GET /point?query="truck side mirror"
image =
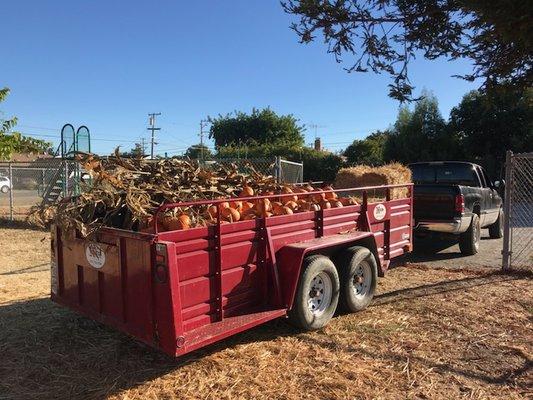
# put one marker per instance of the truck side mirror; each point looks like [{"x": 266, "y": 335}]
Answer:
[{"x": 499, "y": 184}]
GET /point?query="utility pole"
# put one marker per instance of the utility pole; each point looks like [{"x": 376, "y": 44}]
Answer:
[
  {"x": 143, "y": 147},
  {"x": 151, "y": 121},
  {"x": 203, "y": 123}
]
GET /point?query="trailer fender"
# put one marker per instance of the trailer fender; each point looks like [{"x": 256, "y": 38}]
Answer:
[{"x": 291, "y": 257}]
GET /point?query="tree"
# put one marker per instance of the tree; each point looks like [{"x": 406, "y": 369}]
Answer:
[
  {"x": 15, "y": 142},
  {"x": 368, "y": 150},
  {"x": 385, "y": 35},
  {"x": 493, "y": 122},
  {"x": 259, "y": 127},
  {"x": 421, "y": 135},
  {"x": 136, "y": 152},
  {"x": 198, "y": 151}
]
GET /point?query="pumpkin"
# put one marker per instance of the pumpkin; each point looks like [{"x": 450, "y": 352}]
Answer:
[
  {"x": 324, "y": 204},
  {"x": 247, "y": 191},
  {"x": 230, "y": 214},
  {"x": 292, "y": 205}
]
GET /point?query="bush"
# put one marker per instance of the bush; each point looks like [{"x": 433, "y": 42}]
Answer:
[{"x": 318, "y": 165}]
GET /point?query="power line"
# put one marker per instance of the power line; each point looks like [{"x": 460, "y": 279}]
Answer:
[{"x": 153, "y": 129}]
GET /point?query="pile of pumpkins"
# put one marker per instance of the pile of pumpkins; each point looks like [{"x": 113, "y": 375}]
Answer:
[{"x": 296, "y": 199}]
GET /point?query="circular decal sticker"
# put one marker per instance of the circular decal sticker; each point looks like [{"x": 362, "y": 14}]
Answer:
[
  {"x": 380, "y": 211},
  {"x": 95, "y": 255}
]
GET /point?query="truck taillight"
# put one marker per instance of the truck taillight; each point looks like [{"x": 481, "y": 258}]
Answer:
[{"x": 460, "y": 203}]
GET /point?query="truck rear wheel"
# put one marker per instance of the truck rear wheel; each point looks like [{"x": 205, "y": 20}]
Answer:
[
  {"x": 359, "y": 272},
  {"x": 317, "y": 295},
  {"x": 469, "y": 240},
  {"x": 496, "y": 229}
]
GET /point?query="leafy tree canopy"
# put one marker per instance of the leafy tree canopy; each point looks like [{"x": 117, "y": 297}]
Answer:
[
  {"x": 136, "y": 152},
  {"x": 199, "y": 151},
  {"x": 259, "y": 127},
  {"x": 493, "y": 122},
  {"x": 385, "y": 35},
  {"x": 15, "y": 142},
  {"x": 368, "y": 150}
]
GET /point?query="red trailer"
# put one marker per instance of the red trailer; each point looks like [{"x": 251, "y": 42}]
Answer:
[{"x": 181, "y": 290}]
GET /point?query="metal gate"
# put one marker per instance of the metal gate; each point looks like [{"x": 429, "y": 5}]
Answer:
[
  {"x": 518, "y": 218},
  {"x": 289, "y": 171}
]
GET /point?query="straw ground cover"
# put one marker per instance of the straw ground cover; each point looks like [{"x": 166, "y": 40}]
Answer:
[{"x": 431, "y": 333}]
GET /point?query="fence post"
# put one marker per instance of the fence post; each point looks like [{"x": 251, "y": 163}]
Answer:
[
  {"x": 11, "y": 192},
  {"x": 506, "y": 253},
  {"x": 278, "y": 169}
]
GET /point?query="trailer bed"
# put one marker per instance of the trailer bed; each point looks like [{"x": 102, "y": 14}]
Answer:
[{"x": 181, "y": 290}]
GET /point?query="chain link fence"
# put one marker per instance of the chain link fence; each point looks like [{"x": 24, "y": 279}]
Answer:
[
  {"x": 27, "y": 184},
  {"x": 518, "y": 223}
]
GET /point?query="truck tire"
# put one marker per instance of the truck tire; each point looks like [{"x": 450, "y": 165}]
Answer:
[
  {"x": 359, "y": 272},
  {"x": 469, "y": 240},
  {"x": 5, "y": 189},
  {"x": 317, "y": 295},
  {"x": 496, "y": 229}
]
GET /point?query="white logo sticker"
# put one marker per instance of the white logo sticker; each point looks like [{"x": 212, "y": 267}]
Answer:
[
  {"x": 380, "y": 211},
  {"x": 95, "y": 255}
]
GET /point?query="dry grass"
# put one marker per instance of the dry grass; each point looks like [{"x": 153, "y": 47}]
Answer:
[{"x": 430, "y": 334}]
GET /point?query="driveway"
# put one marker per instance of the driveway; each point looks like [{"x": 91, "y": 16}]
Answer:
[{"x": 440, "y": 253}]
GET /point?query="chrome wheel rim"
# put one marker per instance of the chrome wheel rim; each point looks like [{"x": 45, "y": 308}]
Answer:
[
  {"x": 320, "y": 293},
  {"x": 362, "y": 280}
]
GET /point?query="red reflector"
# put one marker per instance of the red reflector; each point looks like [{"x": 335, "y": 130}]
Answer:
[{"x": 460, "y": 203}]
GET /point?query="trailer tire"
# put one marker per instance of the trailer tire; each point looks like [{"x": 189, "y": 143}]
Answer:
[
  {"x": 496, "y": 229},
  {"x": 469, "y": 240},
  {"x": 317, "y": 296},
  {"x": 357, "y": 263}
]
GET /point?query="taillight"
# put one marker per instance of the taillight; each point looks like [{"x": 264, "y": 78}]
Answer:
[{"x": 460, "y": 203}]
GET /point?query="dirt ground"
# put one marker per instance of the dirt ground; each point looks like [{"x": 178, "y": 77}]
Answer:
[{"x": 446, "y": 327}]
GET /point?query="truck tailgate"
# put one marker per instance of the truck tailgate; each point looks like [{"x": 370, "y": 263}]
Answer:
[{"x": 434, "y": 202}]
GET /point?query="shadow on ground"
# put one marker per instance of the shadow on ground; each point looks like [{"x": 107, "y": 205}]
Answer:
[{"x": 49, "y": 352}]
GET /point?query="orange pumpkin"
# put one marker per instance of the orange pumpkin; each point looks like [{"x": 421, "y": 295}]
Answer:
[
  {"x": 213, "y": 211},
  {"x": 236, "y": 205},
  {"x": 292, "y": 205},
  {"x": 178, "y": 223},
  {"x": 314, "y": 207},
  {"x": 287, "y": 211},
  {"x": 247, "y": 191},
  {"x": 318, "y": 197},
  {"x": 288, "y": 190},
  {"x": 246, "y": 205},
  {"x": 277, "y": 207},
  {"x": 324, "y": 204},
  {"x": 230, "y": 214},
  {"x": 330, "y": 194},
  {"x": 336, "y": 204},
  {"x": 263, "y": 206}
]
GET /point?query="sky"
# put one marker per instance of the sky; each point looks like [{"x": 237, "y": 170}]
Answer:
[{"x": 107, "y": 64}]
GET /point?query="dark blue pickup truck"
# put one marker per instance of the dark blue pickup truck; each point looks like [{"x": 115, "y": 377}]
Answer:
[{"x": 456, "y": 198}]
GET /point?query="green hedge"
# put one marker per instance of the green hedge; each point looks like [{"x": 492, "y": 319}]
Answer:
[{"x": 318, "y": 165}]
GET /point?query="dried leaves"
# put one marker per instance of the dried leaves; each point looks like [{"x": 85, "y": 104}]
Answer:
[{"x": 125, "y": 192}]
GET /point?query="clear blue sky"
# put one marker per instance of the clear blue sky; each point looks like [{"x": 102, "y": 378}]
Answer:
[{"x": 107, "y": 64}]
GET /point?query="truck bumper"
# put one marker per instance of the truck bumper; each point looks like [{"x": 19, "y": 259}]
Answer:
[{"x": 457, "y": 225}]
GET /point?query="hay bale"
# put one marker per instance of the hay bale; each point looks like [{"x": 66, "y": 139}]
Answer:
[{"x": 364, "y": 175}]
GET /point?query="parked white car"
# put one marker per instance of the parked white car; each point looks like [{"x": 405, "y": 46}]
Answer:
[{"x": 5, "y": 184}]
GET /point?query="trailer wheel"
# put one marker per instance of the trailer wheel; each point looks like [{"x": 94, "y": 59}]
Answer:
[
  {"x": 317, "y": 295},
  {"x": 359, "y": 272},
  {"x": 469, "y": 240}
]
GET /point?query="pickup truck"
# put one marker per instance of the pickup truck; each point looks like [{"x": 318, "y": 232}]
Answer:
[{"x": 458, "y": 199}]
